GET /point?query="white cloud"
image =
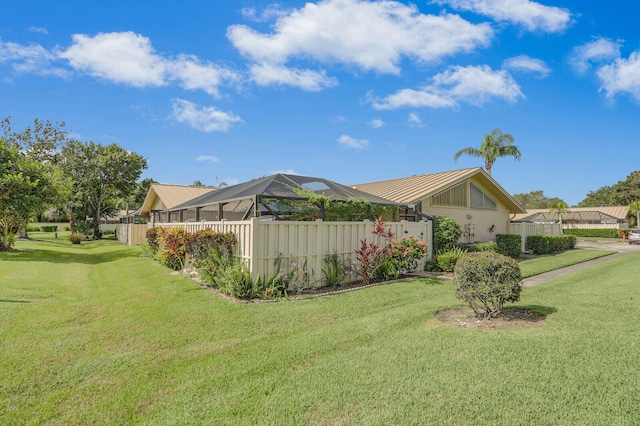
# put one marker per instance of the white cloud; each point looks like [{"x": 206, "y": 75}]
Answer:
[
  {"x": 377, "y": 123},
  {"x": 129, "y": 58},
  {"x": 414, "y": 120},
  {"x": 119, "y": 57},
  {"x": 271, "y": 12},
  {"x": 473, "y": 85},
  {"x": 597, "y": 51},
  {"x": 207, "y": 159},
  {"x": 206, "y": 119},
  {"x": 622, "y": 76},
  {"x": 32, "y": 58},
  {"x": 373, "y": 36},
  {"x": 524, "y": 63},
  {"x": 39, "y": 30},
  {"x": 532, "y": 15},
  {"x": 413, "y": 98},
  {"x": 350, "y": 142},
  {"x": 267, "y": 74}
]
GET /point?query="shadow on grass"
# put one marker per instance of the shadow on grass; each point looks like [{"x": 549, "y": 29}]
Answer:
[
  {"x": 14, "y": 301},
  {"x": 539, "y": 309},
  {"x": 67, "y": 254}
]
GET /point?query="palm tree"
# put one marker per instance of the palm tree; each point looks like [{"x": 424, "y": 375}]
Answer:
[
  {"x": 635, "y": 209},
  {"x": 495, "y": 145},
  {"x": 561, "y": 208}
]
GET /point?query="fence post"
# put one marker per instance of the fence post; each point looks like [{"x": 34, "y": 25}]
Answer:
[
  {"x": 320, "y": 243},
  {"x": 253, "y": 246}
]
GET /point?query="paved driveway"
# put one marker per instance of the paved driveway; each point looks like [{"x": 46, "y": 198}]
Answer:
[{"x": 606, "y": 245}]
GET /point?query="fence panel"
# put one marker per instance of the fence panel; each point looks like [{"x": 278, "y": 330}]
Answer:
[
  {"x": 261, "y": 243},
  {"x": 526, "y": 229}
]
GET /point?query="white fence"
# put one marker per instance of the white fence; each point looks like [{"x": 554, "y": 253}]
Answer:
[
  {"x": 526, "y": 229},
  {"x": 260, "y": 242}
]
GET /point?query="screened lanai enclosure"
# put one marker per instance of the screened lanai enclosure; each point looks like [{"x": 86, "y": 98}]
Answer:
[{"x": 282, "y": 197}]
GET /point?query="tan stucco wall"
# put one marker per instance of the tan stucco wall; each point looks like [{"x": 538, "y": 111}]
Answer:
[{"x": 481, "y": 219}]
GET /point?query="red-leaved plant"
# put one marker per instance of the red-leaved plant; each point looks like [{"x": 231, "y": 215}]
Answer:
[{"x": 371, "y": 253}]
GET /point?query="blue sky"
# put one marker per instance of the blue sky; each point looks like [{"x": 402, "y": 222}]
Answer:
[{"x": 350, "y": 90}]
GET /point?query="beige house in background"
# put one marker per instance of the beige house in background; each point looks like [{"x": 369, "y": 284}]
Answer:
[
  {"x": 580, "y": 217},
  {"x": 161, "y": 198},
  {"x": 471, "y": 197}
]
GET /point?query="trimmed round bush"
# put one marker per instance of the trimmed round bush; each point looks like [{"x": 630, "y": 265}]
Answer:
[{"x": 486, "y": 281}]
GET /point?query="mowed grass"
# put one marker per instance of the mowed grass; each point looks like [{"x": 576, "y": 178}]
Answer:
[
  {"x": 94, "y": 334},
  {"x": 553, "y": 261}
]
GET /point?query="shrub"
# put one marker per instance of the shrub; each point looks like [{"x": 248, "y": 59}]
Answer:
[
  {"x": 539, "y": 244},
  {"x": 199, "y": 244},
  {"x": 33, "y": 228},
  {"x": 297, "y": 276},
  {"x": 171, "y": 250},
  {"x": 77, "y": 237},
  {"x": 509, "y": 245},
  {"x": 447, "y": 259},
  {"x": 49, "y": 228},
  {"x": 371, "y": 253},
  {"x": 67, "y": 228},
  {"x": 543, "y": 244},
  {"x": 405, "y": 253},
  {"x": 592, "y": 233},
  {"x": 484, "y": 246},
  {"x": 446, "y": 233},
  {"x": 152, "y": 238},
  {"x": 486, "y": 281},
  {"x": 431, "y": 266},
  {"x": 337, "y": 270},
  {"x": 230, "y": 275}
]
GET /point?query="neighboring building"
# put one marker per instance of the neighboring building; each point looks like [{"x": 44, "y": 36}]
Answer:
[
  {"x": 162, "y": 197},
  {"x": 259, "y": 198},
  {"x": 582, "y": 217},
  {"x": 471, "y": 197}
]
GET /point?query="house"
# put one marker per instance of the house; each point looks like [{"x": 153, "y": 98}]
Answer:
[
  {"x": 162, "y": 197},
  {"x": 471, "y": 197},
  {"x": 580, "y": 217}
]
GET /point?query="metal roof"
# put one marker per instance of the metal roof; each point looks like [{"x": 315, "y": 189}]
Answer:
[
  {"x": 171, "y": 195},
  {"x": 280, "y": 186},
  {"x": 415, "y": 188},
  {"x": 575, "y": 214}
]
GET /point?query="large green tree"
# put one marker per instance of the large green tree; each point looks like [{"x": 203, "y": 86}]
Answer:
[
  {"x": 26, "y": 187},
  {"x": 622, "y": 193},
  {"x": 536, "y": 200},
  {"x": 99, "y": 173},
  {"x": 40, "y": 142},
  {"x": 494, "y": 145}
]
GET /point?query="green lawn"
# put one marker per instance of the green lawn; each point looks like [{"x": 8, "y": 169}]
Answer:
[
  {"x": 551, "y": 262},
  {"x": 94, "y": 334}
]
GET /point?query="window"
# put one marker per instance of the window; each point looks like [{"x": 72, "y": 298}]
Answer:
[
  {"x": 479, "y": 200},
  {"x": 452, "y": 197}
]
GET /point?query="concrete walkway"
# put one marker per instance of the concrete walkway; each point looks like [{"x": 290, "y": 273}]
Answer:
[{"x": 619, "y": 248}]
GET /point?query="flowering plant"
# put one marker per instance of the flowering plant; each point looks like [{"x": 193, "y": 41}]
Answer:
[{"x": 406, "y": 252}]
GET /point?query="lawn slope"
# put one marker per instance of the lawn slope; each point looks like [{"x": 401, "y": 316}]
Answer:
[{"x": 96, "y": 334}]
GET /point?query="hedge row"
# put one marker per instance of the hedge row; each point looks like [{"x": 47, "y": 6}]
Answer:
[
  {"x": 509, "y": 245},
  {"x": 543, "y": 244},
  {"x": 596, "y": 233}
]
